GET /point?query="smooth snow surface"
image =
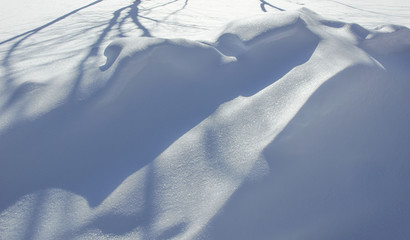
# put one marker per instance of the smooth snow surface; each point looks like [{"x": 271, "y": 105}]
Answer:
[{"x": 282, "y": 125}]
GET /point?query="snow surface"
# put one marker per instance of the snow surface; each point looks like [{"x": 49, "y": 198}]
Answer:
[{"x": 167, "y": 120}]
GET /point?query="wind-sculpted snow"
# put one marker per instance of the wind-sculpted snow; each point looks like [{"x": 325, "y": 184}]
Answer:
[{"x": 285, "y": 126}]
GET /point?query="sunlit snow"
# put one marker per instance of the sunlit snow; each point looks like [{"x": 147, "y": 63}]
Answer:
[{"x": 182, "y": 119}]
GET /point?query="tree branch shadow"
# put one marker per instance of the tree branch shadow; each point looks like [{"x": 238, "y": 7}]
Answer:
[
  {"x": 264, "y": 4},
  {"x": 133, "y": 12},
  {"x": 45, "y": 125},
  {"x": 35, "y": 30}
]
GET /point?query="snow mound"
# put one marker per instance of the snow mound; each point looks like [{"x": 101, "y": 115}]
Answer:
[{"x": 285, "y": 126}]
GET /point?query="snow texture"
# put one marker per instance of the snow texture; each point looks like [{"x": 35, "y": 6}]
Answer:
[{"x": 284, "y": 125}]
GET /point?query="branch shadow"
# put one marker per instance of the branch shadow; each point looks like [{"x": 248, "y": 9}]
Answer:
[
  {"x": 265, "y": 3},
  {"x": 50, "y": 124},
  {"x": 119, "y": 17},
  {"x": 359, "y": 9},
  {"x": 27, "y": 34}
]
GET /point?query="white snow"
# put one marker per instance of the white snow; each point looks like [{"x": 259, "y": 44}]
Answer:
[{"x": 178, "y": 119}]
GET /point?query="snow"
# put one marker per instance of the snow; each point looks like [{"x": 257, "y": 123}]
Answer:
[{"x": 205, "y": 120}]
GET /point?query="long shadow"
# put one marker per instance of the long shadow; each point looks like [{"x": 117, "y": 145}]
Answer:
[
  {"x": 89, "y": 148},
  {"x": 176, "y": 11},
  {"x": 35, "y": 30},
  {"x": 360, "y": 9},
  {"x": 26, "y": 35},
  {"x": 94, "y": 50},
  {"x": 329, "y": 161},
  {"x": 15, "y": 158},
  {"x": 119, "y": 17},
  {"x": 134, "y": 13},
  {"x": 264, "y": 4}
]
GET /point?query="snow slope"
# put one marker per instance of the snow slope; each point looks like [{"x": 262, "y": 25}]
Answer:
[{"x": 283, "y": 125}]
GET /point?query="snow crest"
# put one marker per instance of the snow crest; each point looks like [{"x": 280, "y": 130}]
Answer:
[{"x": 285, "y": 126}]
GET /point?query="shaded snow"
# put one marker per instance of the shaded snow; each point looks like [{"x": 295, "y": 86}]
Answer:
[{"x": 281, "y": 126}]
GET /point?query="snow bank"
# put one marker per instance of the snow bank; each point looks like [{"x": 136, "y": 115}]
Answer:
[{"x": 285, "y": 126}]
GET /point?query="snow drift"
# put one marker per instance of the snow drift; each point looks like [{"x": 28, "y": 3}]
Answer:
[{"x": 285, "y": 126}]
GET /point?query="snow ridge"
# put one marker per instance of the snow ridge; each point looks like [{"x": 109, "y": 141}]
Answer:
[{"x": 286, "y": 125}]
